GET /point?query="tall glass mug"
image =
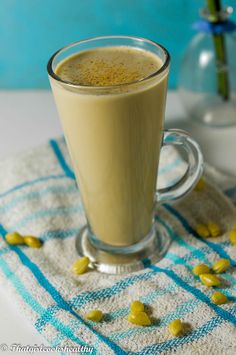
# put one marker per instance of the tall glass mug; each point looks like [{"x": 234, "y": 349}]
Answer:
[{"x": 114, "y": 136}]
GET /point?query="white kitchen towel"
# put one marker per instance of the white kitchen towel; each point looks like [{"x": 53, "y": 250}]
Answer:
[{"x": 38, "y": 196}]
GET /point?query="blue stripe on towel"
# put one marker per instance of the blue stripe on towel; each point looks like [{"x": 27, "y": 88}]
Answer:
[
  {"x": 190, "y": 289},
  {"x": 195, "y": 252},
  {"x": 59, "y": 234},
  {"x": 36, "y": 194},
  {"x": 196, "y": 334},
  {"x": 65, "y": 167},
  {"x": 181, "y": 261},
  {"x": 146, "y": 299},
  {"x": 172, "y": 165},
  {"x": 180, "y": 311},
  {"x": 51, "y": 212},
  {"x": 181, "y": 241},
  {"x": 31, "y": 182},
  {"x": 201, "y": 254},
  {"x": 66, "y": 234},
  {"x": 215, "y": 247},
  {"x": 56, "y": 296},
  {"x": 88, "y": 296},
  {"x": 33, "y": 303}
]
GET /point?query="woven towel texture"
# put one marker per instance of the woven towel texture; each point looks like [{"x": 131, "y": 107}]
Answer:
[{"x": 38, "y": 196}]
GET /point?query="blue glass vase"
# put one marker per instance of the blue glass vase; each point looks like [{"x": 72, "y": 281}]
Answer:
[{"x": 201, "y": 73}]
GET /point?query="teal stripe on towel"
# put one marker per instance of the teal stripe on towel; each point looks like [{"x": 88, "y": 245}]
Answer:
[
  {"x": 33, "y": 303},
  {"x": 174, "y": 343},
  {"x": 190, "y": 289},
  {"x": 56, "y": 296},
  {"x": 65, "y": 167},
  {"x": 196, "y": 253},
  {"x": 214, "y": 246},
  {"x": 36, "y": 195},
  {"x": 181, "y": 241},
  {"x": 101, "y": 294},
  {"x": 172, "y": 165},
  {"x": 180, "y": 311},
  {"x": 51, "y": 212},
  {"x": 30, "y": 183}
]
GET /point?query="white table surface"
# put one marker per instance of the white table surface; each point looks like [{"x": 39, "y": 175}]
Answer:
[{"x": 29, "y": 118}]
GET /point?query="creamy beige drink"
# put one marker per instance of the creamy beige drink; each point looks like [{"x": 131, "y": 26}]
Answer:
[{"x": 114, "y": 134}]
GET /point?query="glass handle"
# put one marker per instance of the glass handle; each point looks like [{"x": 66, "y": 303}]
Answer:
[{"x": 181, "y": 139}]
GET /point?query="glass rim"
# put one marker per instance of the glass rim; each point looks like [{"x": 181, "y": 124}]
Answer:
[{"x": 164, "y": 66}]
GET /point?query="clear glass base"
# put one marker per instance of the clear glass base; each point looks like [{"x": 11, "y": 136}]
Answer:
[{"x": 121, "y": 260}]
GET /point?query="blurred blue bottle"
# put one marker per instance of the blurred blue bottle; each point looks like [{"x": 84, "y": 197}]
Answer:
[{"x": 201, "y": 73}]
